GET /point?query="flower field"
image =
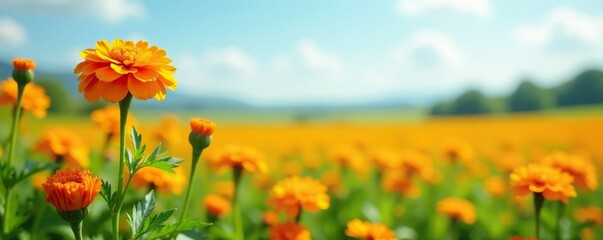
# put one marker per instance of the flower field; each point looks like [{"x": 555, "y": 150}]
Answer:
[{"x": 116, "y": 174}]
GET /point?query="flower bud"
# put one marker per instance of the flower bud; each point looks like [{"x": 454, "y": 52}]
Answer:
[
  {"x": 23, "y": 70},
  {"x": 201, "y": 130}
]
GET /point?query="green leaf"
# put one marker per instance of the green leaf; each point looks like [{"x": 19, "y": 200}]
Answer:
[
  {"x": 186, "y": 225},
  {"x": 136, "y": 138},
  {"x": 156, "y": 221},
  {"x": 109, "y": 196},
  {"x": 132, "y": 163},
  {"x": 11, "y": 177},
  {"x": 166, "y": 164},
  {"x": 141, "y": 211}
]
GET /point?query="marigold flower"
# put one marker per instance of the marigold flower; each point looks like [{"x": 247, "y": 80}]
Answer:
[
  {"x": 369, "y": 231},
  {"x": 289, "y": 231},
  {"x": 551, "y": 182},
  {"x": 107, "y": 119},
  {"x": 38, "y": 180},
  {"x": 583, "y": 170},
  {"x": 592, "y": 214},
  {"x": 201, "y": 131},
  {"x": 458, "y": 150},
  {"x": 72, "y": 189},
  {"x": 457, "y": 208},
  {"x": 295, "y": 193},
  {"x": 348, "y": 156},
  {"x": 111, "y": 71},
  {"x": 234, "y": 156},
  {"x": 169, "y": 131},
  {"x": 385, "y": 159},
  {"x": 34, "y": 98},
  {"x": 399, "y": 181},
  {"x": 416, "y": 162},
  {"x": 23, "y": 70},
  {"x": 216, "y": 205},
  {"x": 269, "y": 218},
  {"x": 495, "y": 186},
  {"x": 224, "y": 188},
  {"x": 64, "y": 145},
  {"x": 162, "y": 180}
]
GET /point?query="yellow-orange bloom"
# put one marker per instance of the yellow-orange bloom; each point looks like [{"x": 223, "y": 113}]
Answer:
[
  {"x": 551, "y": 182},
  {"x": 417, "y": 162},
  {"x": 495, "y": 186},
  {"x": 269, "y": 218},
  {"x": 202, "y": 126},
  {"x": 71, "y": 189},
  {"x": 169, "y": 131},
  {"x": 458, "y": 150},
  {"x": 65, "y": 145},
  {"x": 162, "y": 180},
  {"x": 592, "y": 214},
  {"x": 233, "y": 156},
  {"x": 111, "y": 71},
  {"x": 457, "y": 208},
  {"x": 583, "y": 170},
  {"x": 216, "y": 205},
  {"x": 295, "y": 193},
  {"x": 369, "y": 231},
  {"x": 107, "y": 119},
  {"x": 385, "y": 159},
  {"x": 38, "y": 180},
  {"x": 224, "y": 188},
  {"x": 399, "y": 181},
  {"x": 289, "y": 231},
  {"x": 24, "y": 64},
  {"x": 34, "y": 98}
]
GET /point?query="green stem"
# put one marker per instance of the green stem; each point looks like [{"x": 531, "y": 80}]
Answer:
[
  {"x": 238, "y": 221},
  {"x": 538, "y": 203},
  {"x": 124, "y": 105},
  {"x": 76, "y": 227},
  {"x": 11, "y": 156},
  {"x": 560, "y": 211},
  {"x": 187, "y": 198}
]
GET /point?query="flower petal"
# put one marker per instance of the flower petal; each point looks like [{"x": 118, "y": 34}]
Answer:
[
  {"x": 113, "y": 91},
  {"x": 142, "y": 90},
  {"x": 145, "y": 74},
  {"x": 107, "y": 74}
]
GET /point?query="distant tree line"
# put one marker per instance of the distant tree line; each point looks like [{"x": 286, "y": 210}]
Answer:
[{"x": 586, "y": 88}]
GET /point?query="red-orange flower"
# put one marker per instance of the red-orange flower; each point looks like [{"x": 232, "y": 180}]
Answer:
[
  {"x": 295, "y": 193},
  {"x": 592, "y": 214},
  {"x": 457, "y": 208},
  {"x": 34, "y": 98},
  {"x": 369, "y": 231},
  {"x": 24, "y": 64},
  {"x": 289, "y": 231},
  {"x": 160, "y": 179},
  {"x": 202, "y": 126},
  {"x": 65, "y": 145},
  {"x": 399, "y": 181},
  {"x": 233, "y": 156},
  {"x": 583, "y": 170},
  {"x": 111, "y": 71},
  {"x": 216, "y": 205},
  {"x": 551, "y": 182},
  {"x": 71, "y": 189}
]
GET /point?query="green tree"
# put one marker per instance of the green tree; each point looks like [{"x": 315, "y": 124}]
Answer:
[
  {"x": 471, "y": 102},
  {"x": 59, "y": 97},
  {"x": 528, "y": 97},
  {"x": 586, "y": 88}
]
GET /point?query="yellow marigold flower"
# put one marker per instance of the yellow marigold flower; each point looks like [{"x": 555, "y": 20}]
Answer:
[
  {"x": 509, "y": 161},
  {"x": 224, "y": 189},
  {"x": 111, "y": 71},
  {"x": 38, "y": 180},
  {"x": 587, "y": 233},
  {"x": 591, "y": 214},
  {"x": 216, "y": 205},
  {"x": 369, "y": 231},
  {"x": 348, "y": 156},
  {"x": 71, "y": 189},
  {"x": 551, "y": 182},
  {"x": 399, "y": 181},
  {"x": 24, "y": 64},
  {"x": 417, "y": 163},
  {"x": 289, "y": 231},
  {"x": 385, "y": 159},
  {"x": 331, "y": 179},
  {"x": 295, "y": 193},
  {"x": 458, "y": 150},
  {"x": 583, "y": 170},
  {"x": 107, "y": 119},
  {"x": 64, "y": 145},
  {"x": 34, "y": 99},
  {"x": 162, "y": 180},
  {"x": 234, "y": 156},
  {"x": 495, "y": 186},
  {"x": 457, "y": 208}
]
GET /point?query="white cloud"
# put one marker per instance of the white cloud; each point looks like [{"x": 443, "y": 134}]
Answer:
[
  {"x": 316, "y": 59},
  {"x": 563, "y": 25},
  {"x": 230, "y": 59},
  {"x": 428, "y": 48},
  {"x": 480, "y": 8},
  {"x": 11, "y": 32},
  {"x": 110, "y": 11}
]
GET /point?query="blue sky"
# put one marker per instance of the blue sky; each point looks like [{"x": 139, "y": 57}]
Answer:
[{"x": 297, "y": 52}]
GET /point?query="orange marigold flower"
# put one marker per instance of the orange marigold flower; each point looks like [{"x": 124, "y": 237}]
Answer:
[
  {"x": 107, "y": 119},
  {"x": 38, "y": 180},
  {"x": 551, "y": 182},
  {"x": 295, "y": 193},
  {"x": 202, "y": 126},
  {"x": 24, "y": 64},
  {"x": 64, "y": 145},
  {"x": 368, "y": 231},
  {"x": 162, "y": 180},
  {"x": 216, "y": 205},
  {"x": 270, "y": 218},
  {"x": 417, "y": 162},
  {"x": 224, "y": 189},
  {"x": 111, "y": 71},
  {"x": 495, "y": 186},
  {"x": 591, "y": 214},
  {"x": 234, "y": 156},
  {"x": 457, "y": 208},
  {"x": 71, "y": 189},
  {"x": 169, "y": 131},
  {"x": 583, "y": 170},
  {"x": 458, "y": 150},
  {"x": 34, "y": 98},
  {"x": 289, "y": 231},
  {"x": 385, "y": 159},
  {"x": 399, "y": 181},
  {"x": 349, "y": 157}
]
